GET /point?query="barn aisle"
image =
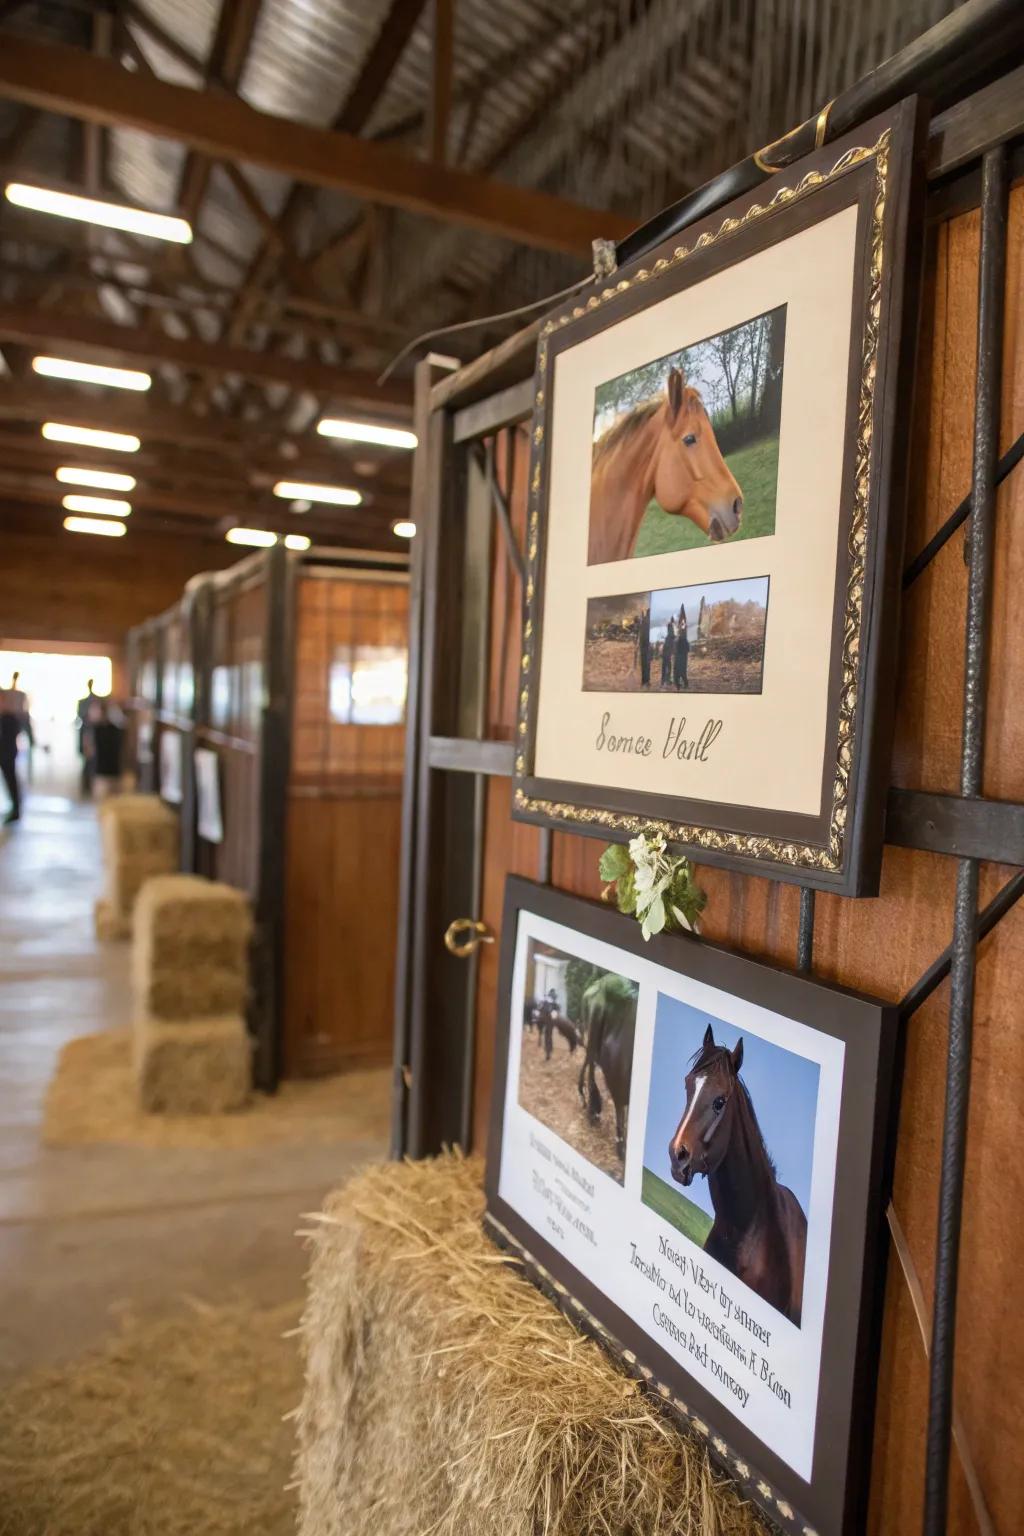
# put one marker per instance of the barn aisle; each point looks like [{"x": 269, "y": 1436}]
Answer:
[{"x": 89, "y": 1231}]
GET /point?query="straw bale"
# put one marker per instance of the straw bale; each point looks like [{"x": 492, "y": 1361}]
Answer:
[
  {"x": 140, "y": 836},
  {"x": 108, "y": 923},
  {"x": 198, "y": 1068},
  {"x": 92, "y": 1100},
  {"x": 191, "y": 949},
  {"x": 445, "y": 1395},
  {"x": 176, "y": 1426}
]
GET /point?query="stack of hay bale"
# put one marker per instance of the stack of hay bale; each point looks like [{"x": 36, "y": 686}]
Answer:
[
  {"x": 139, "y": 836},
  {"x": 190, "y": 976}
]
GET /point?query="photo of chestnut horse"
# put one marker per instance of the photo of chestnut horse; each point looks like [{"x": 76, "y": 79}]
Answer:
[
  {"x": 685, "y": 447},
  {"x": 665, "y": 450},
  {"x": 759, "y": 1231}
]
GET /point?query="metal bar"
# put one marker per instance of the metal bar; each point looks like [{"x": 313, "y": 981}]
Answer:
[
  {"x": 1009, "y": 461},
  {"x": 504, "y": 516},
  {"x": 963, "y": 952},
  {"x": 968, "y": 829},
  {"x": 1002, "y": 902},
  {"x": 544, "y": 856},
  {"x": 805, "y": 930}
]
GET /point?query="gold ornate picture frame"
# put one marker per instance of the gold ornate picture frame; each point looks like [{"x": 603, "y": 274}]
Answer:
[{"x": 725, "y": 419}]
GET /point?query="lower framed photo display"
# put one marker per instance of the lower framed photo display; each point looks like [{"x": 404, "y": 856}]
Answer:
[{"x": 690, "y": 1153}]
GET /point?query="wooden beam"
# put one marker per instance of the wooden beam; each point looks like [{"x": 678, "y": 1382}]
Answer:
[
  {"x": 236, "y": 23},
  {"x": 442, "y": 49},
  {"x": 66, "y": 81},
  {"x": 106, "y": 342},
  {"x": 396, "y": 30}
]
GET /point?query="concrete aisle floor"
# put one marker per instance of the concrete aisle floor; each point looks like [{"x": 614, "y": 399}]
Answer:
[{"x": 83, "y": 1231}]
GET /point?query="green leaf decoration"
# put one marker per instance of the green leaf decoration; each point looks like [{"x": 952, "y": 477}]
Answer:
[
  {"x": 652, "y": 885},
  {"x": 614, "y": 863}
]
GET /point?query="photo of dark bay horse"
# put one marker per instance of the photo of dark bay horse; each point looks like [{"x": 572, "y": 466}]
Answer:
[
  {"x": 704, "y": 1137},
  {"x": 576, "y": 1057},
  {"x": 685, "y": 447}
]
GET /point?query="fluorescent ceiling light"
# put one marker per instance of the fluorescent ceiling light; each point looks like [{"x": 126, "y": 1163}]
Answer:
[
  {"x": 258, "y": 536},
  {"x": 367, "y": 432},
  {"x": 101, "y": 525},
  {"x": 108, "y": 505},
  {"x": 91, "y": 373},
  {"x": 404, "y": 529},
  {"x": 296, "y": 541},
  {"x": 99, "y": 479},
  {"x": 137, "y": 221},
  {"x": 336, "y": 495},
  {"x": 90, "y": 437}
]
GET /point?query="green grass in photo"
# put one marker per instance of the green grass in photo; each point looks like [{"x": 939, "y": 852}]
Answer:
[
  {"x": 756, "y": 468},
  {"x": 673, "y": 1206}
]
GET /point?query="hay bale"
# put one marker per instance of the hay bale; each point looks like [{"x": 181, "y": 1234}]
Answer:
[
  {"x": 191, "y": 953},
  {"x": 140, "y": 839},
  {"x": 109, "y": 924},
  {"x": 200, "y": 1068},
  {"x": 177, "y": 1425},
  {"x": 444, "y": 1394}
]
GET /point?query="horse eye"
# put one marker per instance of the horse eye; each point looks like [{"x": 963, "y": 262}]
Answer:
[
  {"x": 719, "y": 1105},
  {"x": 690, "y": 439}
]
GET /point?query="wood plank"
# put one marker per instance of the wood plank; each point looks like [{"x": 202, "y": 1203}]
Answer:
[
  {"x": 461, "y": 755},
  {"x": 66, "y": 81},
  {"x": 979, "y": 122},
  {"x": 503, "y": 409},
  {"x": 106, "y": 342}
]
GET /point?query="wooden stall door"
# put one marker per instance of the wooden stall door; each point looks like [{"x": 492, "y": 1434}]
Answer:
[{"x": 344, "y": 810}]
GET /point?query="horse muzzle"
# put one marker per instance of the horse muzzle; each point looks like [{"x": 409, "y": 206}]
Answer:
[
  {"x": 725, "y": 521},
  {"x": 682, "y": 1169}
]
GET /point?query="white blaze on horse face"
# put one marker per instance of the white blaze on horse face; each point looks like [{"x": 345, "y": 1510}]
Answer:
[{"x": 699, "y": 1085}]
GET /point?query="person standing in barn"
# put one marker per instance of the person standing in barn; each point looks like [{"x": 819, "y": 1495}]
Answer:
[
  {"x": 14, "y": 721},
  {"x": 668, "y": 654}
]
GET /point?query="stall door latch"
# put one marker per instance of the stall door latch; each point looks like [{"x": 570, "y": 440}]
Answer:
[{"x": 462, "y": 936}]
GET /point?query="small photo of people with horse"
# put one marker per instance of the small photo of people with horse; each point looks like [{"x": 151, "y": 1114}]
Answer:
[
  {"x": 576, "y": 1064},
  {"x": 696, "y": 639},
  {"x": 729, "y": 1148},
  {"x": 686, "y": 447}
]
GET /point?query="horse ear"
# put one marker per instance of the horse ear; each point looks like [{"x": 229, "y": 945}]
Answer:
[
  {"x": 675, "y": 388},
  {"x": 709, "y": 1037},
  {"x": 737, "y": 1056}
]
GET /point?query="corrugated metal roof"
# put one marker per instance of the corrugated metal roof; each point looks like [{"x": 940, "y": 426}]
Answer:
[{"x": 622, "y": 104}]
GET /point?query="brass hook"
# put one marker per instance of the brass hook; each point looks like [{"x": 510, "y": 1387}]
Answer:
[{"x": 479, "y": 933}]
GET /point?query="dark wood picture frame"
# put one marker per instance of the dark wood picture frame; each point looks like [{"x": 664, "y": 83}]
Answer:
[
  {"x": 838, "y": 847},
  {"x": 832, "y": 1502}
]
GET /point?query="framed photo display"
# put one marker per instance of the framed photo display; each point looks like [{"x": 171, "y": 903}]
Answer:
[
  {"x": 715, "y": 527},
  {"x": 690, "y": 1152}
]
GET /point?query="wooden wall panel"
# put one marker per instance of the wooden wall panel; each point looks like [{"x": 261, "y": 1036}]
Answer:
[
  {"x": 342, "y": 859},
  {"x": 72, "y": 587},
  {"x": 343, "y": 838},
  {"x": 881, "y": 945}
]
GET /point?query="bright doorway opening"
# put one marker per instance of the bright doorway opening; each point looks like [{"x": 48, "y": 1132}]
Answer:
[{"x": 54, "y": 683}]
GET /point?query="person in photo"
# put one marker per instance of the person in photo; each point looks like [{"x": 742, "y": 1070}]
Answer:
[
  {"x": 681, "y": 651},
  {"x": 668, "y": 654}
]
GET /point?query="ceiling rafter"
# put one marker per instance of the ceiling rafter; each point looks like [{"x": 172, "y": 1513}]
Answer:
[
  {"x": 68, "y": 82},
  {"x": 117, "y": 343}
]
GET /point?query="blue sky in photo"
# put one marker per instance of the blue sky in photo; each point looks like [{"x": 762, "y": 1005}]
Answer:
[
  {"x": 665, "y": 603},
  {"x": 783, "y": 1088}
]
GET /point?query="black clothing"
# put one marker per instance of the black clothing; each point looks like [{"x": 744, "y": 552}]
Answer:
[
  {"x": 107, "y": 743},
  {"x": 9, "y": 772},
  {"x": 668, "y": 651},
  {"x": 682, "y": 657},
  {"x": 645, "y": 650}
]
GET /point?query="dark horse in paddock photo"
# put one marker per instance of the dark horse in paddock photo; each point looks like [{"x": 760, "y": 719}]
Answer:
[
  {"x": 759, "y": 1232},
  {"x": 664, "y": 450},
  {"x": 609, "y": 1020}
]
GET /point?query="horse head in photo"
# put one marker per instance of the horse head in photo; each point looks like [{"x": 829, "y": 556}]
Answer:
[
  {"x": 702, "y": 1135},
  {"x": 760, "y": 1230},
  {"x": 665, "y": 449},
  {"x": 691, "y": 477}
]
